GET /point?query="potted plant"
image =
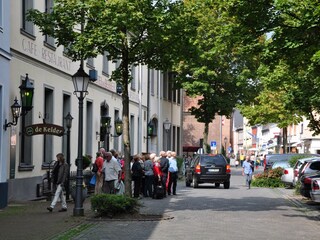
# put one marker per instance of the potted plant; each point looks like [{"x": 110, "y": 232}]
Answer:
[
  {"x": 73, "y": 191},
  {"x": 86, "y": 161}
]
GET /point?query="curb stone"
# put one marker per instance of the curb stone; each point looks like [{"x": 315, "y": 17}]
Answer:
[{"x": 297, "y": 201}]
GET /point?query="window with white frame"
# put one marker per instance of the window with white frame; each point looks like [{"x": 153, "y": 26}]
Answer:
[
  {"x": 90, "y": 62},
  {"x": 105, "y": 64},
  {"x": 48, "y": 39},
  {"x": 133, "y": 77},
  {"x": 151, "y": 79},
  {"x": 165, "y": 85},
  {"x": 1, "y": 15},
  {"x": 27, "y": 26}
]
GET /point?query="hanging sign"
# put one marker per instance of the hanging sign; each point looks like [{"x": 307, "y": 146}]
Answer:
[{"x": 49, "y": 129}]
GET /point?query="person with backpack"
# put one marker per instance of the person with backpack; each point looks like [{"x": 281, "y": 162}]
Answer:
[
  {"x": 149, "y": 175},
  {"x": 97, "y": 169},
  {"x": 247, "y": 170}
]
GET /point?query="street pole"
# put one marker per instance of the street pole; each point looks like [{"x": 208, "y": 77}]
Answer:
[
  {"x": 78, "y": 207},
  {"x": 23, "y": 126},
  {"x": 68, "y": 162}
]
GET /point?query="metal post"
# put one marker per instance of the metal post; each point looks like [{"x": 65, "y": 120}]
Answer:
[
  {"x": 289, "y": 138},
  {"x": 108, "y": 142},
  {"x": 68, "y": 162},
  {"x": 23, "y": 126},
  {"x": 78, "y": 207}
]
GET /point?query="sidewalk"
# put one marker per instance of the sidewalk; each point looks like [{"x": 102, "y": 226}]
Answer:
[{"x": 31, "y": 220}]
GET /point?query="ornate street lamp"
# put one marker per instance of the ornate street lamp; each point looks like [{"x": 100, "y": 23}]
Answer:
[
  {"x": 15, "y": 110},
  {"x": 167, "y": 126},
  {"x": 105, "y": 126},
  {"x": 68, "y": 119},
  {"x": 26, "y": 93},
  {"x": 150, "y": 129},
  {"x": 80, "y": 82},
  {"x": 119, "y": 126}
]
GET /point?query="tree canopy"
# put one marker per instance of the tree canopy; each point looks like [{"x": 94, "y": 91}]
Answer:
[
  {"x": 130, "y": 32},
  {"x": 289, "y": 59}
]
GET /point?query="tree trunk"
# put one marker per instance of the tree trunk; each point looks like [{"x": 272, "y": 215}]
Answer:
[
  {"x": 205, "y": 137},
  {"x": 285, "y": 139},
  {"x": 125, "y": 116}
]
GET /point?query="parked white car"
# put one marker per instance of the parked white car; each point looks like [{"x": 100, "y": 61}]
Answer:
[
  {"x": 288, "y": 176},
  {"x": 315, "y": 191}
]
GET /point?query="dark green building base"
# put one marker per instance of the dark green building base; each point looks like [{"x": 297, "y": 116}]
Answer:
[{"x": 3, "y": 194}]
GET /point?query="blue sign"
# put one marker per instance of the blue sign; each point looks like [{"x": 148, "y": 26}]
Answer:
[
  {"x": 213, "y": 145},
  {"x": 229, "y": 149}
]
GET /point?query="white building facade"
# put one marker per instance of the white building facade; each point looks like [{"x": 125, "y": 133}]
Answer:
[
  {"x": 153, "y": 101},
  {"x": 5, "y": 98},
  {"x": 264, "y": 139}
]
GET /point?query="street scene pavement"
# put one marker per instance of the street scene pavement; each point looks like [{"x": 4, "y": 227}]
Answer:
[{"x": 203, "y": 213}]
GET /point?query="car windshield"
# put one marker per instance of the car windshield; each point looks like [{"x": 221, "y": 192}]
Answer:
[{"x": 218, "y": 159}]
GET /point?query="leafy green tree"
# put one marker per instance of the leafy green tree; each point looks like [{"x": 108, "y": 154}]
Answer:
[
  {"x": 132, "y": 32},
  {"x": 293, "y": 49},
  {"x": 216, "y": 65}
]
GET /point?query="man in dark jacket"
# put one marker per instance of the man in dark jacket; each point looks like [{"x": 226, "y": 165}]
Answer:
[
  {"x": 61, "y": 181},
  {"x": 164, "y": 165}
]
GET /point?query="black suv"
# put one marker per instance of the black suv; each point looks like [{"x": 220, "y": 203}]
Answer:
[{"x": 208, "y": 168}]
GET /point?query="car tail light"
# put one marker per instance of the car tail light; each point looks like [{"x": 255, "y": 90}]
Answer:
[
  {"x": 307, "y": 180},
  {"x": 198, "y": 170},
  {"x": 315, "y": 185},
  {"x": 228, "y": 170},
  {"x": 285, "y": 171}
]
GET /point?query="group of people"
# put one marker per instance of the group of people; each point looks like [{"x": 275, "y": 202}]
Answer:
[
  {"x": 149, "y": 171},
  {"x": 110, "y": 172}
]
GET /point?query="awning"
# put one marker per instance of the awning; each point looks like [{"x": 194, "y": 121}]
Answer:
[{"x": 190, "y": 148}]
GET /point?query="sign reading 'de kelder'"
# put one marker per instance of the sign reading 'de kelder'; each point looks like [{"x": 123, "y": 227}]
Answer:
[{"x": 49, "y": 129}]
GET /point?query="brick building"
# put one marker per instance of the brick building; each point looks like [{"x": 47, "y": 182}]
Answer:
[{"x": 219, "y": 130}]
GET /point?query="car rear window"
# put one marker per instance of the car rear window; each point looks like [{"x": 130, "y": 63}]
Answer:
[
  {"x": 219, "y": 160},
  {"x": 315, "y": 166}
]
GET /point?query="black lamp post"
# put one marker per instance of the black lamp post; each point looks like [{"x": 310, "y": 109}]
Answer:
[
  {"x": 80, "y": 81},
  {"x": 68, "y": 119},
  {"x": 26, "y": 93},
  {"x": 15, "y": 110}
]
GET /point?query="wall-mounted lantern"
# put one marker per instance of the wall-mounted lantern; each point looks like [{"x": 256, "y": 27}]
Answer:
[
  {"x": 150, "y": 129},
  {"x": 26, "y": 93},
  {"x": 167, "y": 125},
  {"x": 119, "y": 126},
  {"x": 15, "y": 110}
]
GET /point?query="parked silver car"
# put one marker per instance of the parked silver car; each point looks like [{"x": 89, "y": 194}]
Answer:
[{"x": 297, "y": 166}]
